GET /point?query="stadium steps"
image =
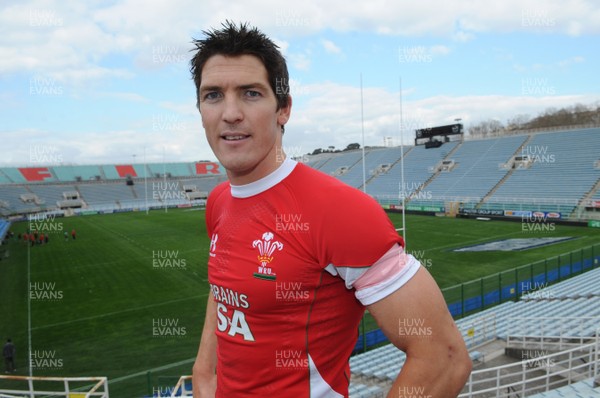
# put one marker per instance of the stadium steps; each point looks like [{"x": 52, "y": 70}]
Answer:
[
  {"x": 359, "y": 390},
  {"x": 507, "y": 175},
  {"x": 493, "y": 190},
  {"x": 5, "y": 178},
  {"x": 589, "y": 195},
  {"x": 437, "y": 173},
  {"x": 406, "y": 152},
  {"x": 582, "y": 389}
]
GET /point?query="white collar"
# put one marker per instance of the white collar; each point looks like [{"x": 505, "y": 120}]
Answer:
[{"x": 269, "y": 181}]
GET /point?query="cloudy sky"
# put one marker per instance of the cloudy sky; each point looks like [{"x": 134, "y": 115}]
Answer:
[{"x": 94, "y": 82}]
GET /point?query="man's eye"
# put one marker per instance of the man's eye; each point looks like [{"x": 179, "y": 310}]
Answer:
[
  {"x": 253, "y": 93},
  {"x": 212, "y": 95}
]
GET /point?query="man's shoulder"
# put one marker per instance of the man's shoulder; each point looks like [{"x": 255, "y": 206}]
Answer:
[
  {"x": 316, "y": 178},
  {"x": 217, "y": 191},
  {"x": 318, "y": 184}
]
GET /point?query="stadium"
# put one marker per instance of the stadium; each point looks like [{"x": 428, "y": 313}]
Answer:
[{"x": 103, "y": 275}]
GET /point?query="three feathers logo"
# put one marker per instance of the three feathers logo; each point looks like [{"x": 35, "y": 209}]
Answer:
[{"x": 266, "y": 247}]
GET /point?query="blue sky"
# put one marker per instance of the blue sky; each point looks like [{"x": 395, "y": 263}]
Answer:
[{"x": 108, "y": 81}]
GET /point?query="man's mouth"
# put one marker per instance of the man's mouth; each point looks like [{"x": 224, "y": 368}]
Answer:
[{"x": 234, "y": 137}]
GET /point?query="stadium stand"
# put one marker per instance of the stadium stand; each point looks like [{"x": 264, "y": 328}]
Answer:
[
  {"x": 483, "y": 173},
  {"x": 561, "y": 168},
  {"x": 377, "y": 162},
  {"x": 418, "y": 168},
  {"x": 101, "y": 188},
  {"x": 550, "y": 172},
  {"x": 12, "y": 196},
  {"x": 174, "y": 169},
  {"x": 339, "y": 163},
  {"x": 77, "y": 173},
  {"x": 476, "y": 169},
  {"x": 569, "y": 308},
  {"x": 582, "y": 389},
  {"x": 51, "y": 193}
]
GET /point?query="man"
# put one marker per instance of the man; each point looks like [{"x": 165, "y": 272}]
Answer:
[
  {"x": 9, "y": 352},
  {"x": 296, "y": 256}
]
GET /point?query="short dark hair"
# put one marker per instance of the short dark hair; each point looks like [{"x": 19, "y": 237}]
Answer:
[{"x": 234, "y": 40}]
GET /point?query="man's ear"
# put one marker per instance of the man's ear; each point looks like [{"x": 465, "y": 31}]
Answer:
[{"x": 285, "y": 112}]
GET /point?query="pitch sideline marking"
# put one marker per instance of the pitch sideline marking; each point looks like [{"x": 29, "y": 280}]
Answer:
[
  {"x": 115, "y": 312},
  {"x": 145, "y": 372}
]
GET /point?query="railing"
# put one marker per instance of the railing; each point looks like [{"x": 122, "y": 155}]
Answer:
[
  {"x": 479, "y": 294},
  {"x": 68, "y": 390},
  {"x": 479, "y": 330},
  {"x": 535, "y": 373},
  {"x": 552, "y": 333},
  {"x": 180, "y": 389}
]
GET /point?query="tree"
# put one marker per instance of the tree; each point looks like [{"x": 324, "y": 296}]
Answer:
[{"x": 352, "y": 146}]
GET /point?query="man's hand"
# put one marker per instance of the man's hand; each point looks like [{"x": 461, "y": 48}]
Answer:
[{"x": 204, "y": 378}]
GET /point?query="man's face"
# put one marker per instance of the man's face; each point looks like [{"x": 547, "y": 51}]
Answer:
[{"x": 238, "y": 109}]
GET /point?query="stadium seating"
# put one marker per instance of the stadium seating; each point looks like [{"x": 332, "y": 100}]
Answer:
[
  {"x": 476, "y": 171},
  {"x": 51, "y": 193},
  {"x": 563, "y": 170},
  {"x": 582, "y": 389},
  {"x": 418, "y": 168},
  {"x": 363, "y": 391},
  {"x": 11, "y": 194},
  {"x": 374, "y": 158},
  {"x": 105, "y": 193},
  {"x": 579, "y": 316},
  {"x": 75, "y": 173},
  {"x": 173, "y": 169},
  {"x": 339, "y": 160}
]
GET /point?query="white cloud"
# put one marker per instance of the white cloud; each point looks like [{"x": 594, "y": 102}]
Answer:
[
  {"x": 48, "y": 36},
  {"x": 300, "y": 61},
  {"x": 439, "y": 50},
  {"x": 330, "y": 47},
  {"x": 570, "y": 61},
  {"x": 332, "y": 115}
]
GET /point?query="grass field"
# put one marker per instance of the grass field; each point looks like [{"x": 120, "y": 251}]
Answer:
[{"x": 126, "y": 298}]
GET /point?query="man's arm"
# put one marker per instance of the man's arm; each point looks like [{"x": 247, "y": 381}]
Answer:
[
  {"x": 415, "y": 319},
  {"x": 204, "y": 378}
]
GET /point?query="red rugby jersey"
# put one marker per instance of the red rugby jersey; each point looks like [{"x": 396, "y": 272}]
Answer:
[{"x": 284, "y": 253}]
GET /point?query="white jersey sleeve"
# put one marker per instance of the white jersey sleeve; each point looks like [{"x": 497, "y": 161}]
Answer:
[{"x": 379, "y": 280}]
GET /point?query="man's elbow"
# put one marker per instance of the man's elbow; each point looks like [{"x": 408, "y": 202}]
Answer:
[{"x": 461, "y": 366}]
